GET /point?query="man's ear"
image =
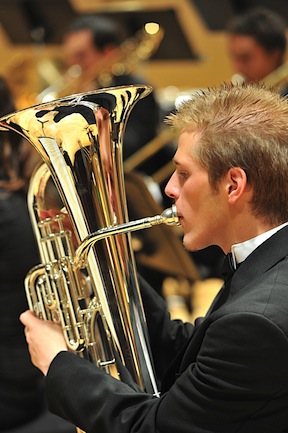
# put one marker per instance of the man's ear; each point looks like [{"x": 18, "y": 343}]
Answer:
[{"x": 236, "y": 184}]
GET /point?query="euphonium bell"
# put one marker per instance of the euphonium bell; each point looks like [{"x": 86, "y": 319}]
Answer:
[{"x": 87, "y": 280}]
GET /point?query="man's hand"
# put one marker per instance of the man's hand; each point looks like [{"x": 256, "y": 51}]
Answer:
[{"x": 45, "y": 340}]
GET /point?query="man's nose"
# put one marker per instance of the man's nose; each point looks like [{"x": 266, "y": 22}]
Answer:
[{"x": 171, "y": 188}]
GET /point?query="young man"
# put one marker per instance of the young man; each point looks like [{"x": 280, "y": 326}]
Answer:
[
  {"x": 257, "y": 43},
  {"x": 229, "y": 371}
]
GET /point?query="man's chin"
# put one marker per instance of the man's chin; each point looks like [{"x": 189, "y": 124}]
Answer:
[
  {"x": 189, "y": 245},
  {"x": 192, "y": 245}
]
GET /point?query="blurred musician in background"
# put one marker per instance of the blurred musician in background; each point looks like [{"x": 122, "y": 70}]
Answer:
[
  {"x": 92, "y": 41},
  {"x": 22, "y": 400},
  {"x": 257, "y": 45}
]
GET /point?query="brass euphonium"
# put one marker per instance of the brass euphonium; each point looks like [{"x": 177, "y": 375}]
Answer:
[{"x": 87, "y": 280}]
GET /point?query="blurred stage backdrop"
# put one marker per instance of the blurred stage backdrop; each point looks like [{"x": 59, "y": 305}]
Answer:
[{"x": 192, "y": 52}]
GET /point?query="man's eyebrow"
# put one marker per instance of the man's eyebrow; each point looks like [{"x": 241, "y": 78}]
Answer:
[{"x": 179, "y": 163}]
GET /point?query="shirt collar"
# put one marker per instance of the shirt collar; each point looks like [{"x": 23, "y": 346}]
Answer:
[{"x": 242, "y": 250}]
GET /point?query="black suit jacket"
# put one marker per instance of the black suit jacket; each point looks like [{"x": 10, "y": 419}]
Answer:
[{"x": 230, "y": 375}]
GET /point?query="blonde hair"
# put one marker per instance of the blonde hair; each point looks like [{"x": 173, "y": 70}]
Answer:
[{"x": 245, "y": 126}]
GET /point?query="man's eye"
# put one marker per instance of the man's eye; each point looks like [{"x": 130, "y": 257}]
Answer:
[{"x": 183, "y": 174}]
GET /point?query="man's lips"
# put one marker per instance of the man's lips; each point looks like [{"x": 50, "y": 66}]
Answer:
[{"x": 180, "y": 217}]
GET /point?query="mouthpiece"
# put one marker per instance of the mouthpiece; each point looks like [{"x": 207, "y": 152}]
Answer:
[{"x": 170, "y": 216}]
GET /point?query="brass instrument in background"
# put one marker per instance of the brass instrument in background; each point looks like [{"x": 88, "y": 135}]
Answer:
[
  {"x": 164, "y": 138},
  {"x": 278, "y": 78},
  {"x": 87, "y": 280},
  {"x": 119, "y": 61}
]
